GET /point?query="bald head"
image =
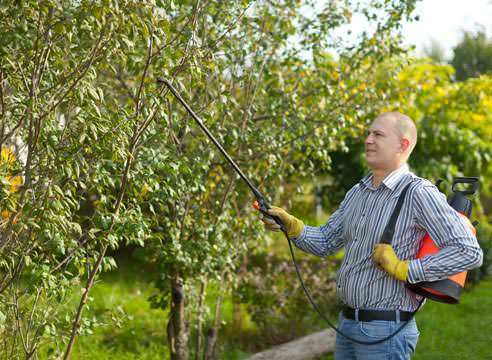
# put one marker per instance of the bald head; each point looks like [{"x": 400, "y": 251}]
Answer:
[{"x": 404, "y": 127}]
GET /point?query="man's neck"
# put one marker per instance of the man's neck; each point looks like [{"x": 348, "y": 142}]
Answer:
[{"x": 378, "y": 175}]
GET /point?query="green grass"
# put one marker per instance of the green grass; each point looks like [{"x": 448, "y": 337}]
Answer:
[
  {"x": 456, "y": 332},
  {"x": 451, "y": 332},
  {"x": 141, "y": 331},
  {"x": 141, "y": 334}
]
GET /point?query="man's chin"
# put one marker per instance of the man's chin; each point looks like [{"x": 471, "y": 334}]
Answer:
[{"x": 371, "y": 163}]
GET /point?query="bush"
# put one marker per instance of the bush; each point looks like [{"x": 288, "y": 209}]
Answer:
[
  {"x": 484, "y": 235},
  {"x": 273, "y": 295}
]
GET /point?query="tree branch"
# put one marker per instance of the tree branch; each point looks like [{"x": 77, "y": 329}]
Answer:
[{"x": 137, "y": 133}]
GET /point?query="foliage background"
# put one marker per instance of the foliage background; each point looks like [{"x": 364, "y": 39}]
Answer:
[{"x": 98, "y": 160}]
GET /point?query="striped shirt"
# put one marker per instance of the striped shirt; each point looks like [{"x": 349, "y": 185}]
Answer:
[{"x": 358, "y": 224}]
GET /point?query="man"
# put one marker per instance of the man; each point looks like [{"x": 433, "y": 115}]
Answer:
[{"x": 371, "y": 279}]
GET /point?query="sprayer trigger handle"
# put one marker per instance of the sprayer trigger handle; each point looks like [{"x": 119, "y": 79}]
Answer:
[{"x": 263, "y": 208}]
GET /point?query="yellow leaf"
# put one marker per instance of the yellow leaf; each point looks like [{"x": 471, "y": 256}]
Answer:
[
  {"x": 478, "y": 118},
  {"x": 8, "y": 156},
  {"x": 487, "y": 103},
  {"x": 15, "y": 183},
  {"x": 145, "y": 189}
]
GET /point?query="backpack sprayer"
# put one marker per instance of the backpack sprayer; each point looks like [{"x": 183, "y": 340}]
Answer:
[{"x": 447, "y": 290}]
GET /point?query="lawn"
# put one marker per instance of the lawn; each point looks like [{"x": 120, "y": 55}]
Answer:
[
  {"x": 141, "y": 333},
  {"x": 456, "y": 332},
  {"x": 451, "y": 332}
]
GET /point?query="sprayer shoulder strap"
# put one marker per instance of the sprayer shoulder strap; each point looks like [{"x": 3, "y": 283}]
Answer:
[{"x": 389, "y": 230}]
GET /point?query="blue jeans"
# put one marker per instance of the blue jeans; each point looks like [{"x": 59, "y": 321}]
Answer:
[{"x": 399, "y": 347}]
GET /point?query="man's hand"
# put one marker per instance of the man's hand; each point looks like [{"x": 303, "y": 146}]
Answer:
[
  {"x": 293, "y": 226},
  {"x": 384, "y": 256}
]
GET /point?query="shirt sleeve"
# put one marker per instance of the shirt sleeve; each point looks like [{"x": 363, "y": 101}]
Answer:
[
  {"x": 328, "y": 238},
  {"x": 459, "y": 247}
]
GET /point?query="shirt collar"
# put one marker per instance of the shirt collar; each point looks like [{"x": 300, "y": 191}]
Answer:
[{"x": 390, "y": 181}]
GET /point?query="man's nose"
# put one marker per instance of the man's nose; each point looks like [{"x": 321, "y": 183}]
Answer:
[{"x": 369, "y": 139}]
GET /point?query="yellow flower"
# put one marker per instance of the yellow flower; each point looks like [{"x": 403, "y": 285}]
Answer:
[
  {"x": 478, "y": 118},
  {"x": 15, "y": 183},
  {"x": 8, "y": 156},
  {"x": 145, "y": 189},
  {"x": 426, "y": 86},
  {"x": 487, "y": 103}
]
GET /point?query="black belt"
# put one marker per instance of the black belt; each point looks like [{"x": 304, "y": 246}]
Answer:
[{"x": 369, "y": 315}]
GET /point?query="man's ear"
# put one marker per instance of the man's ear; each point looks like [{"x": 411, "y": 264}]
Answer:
[{"x": 405, "y": 144}]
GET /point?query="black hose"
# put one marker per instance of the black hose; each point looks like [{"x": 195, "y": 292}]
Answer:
[
  {"x": 321, "y": 315},
  {"x": 263, "y": 207}
]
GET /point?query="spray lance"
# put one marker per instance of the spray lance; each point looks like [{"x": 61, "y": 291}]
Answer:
[{"x": 262, "y": 205}]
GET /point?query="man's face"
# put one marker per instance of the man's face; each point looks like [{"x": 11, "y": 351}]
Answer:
[{"x": 383, "y": 145}]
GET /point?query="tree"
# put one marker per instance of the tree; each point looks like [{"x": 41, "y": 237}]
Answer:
[
  {"x": 111, "y": 158},
  {"x": 455, "y": 125},
  {"x": 78, "y": 144},
  {"x": 472, "y": 56},
  {"x": 434, "y": 50}
]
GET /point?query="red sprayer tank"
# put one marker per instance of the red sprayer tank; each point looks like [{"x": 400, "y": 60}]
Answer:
[{"x": 448, "y": 290}]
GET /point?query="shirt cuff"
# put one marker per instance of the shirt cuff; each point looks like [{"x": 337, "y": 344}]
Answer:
[
  {"x": 301, "y": 236},
  {"x": 415, "y": 272}
]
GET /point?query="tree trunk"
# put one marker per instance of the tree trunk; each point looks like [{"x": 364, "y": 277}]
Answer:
[
  {"x": 212, "y": 332},
  {"x": 209, "y": 353},
  {"x": 177, "y": 333},
  {"x": 201, "y": 305}
]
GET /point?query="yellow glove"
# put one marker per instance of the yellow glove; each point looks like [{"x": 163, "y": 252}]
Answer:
[
  {"x": 292, "y": 225},
  {"x": 384, "y": 256}
]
